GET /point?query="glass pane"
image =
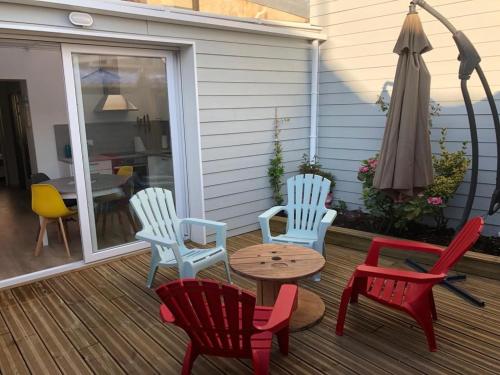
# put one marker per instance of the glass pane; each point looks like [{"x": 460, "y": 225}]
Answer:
[{"x": 124, "y": 102}]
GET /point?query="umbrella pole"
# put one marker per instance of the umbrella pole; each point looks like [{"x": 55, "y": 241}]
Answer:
[
  {"x": 469, "y": 62},
  {"x": 475, "y": 153}
]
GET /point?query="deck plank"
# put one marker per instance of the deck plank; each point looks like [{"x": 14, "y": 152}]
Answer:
[
  {"x": 59, "y": 346},
  {"x": 104, "y": 320},
  {"x": 31, "y": 347}
]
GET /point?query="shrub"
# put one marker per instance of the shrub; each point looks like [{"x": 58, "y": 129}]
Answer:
[
  {"x": 314, "y": 167},
  {"x": 449, "y": 172}
]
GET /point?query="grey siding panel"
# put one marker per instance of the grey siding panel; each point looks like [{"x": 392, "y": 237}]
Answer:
[
  {"x": 242, "y": 77},
  {"x": 356, "y": 65}
]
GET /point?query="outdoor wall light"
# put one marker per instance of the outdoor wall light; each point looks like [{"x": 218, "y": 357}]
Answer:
[{"x": 81, "y": 19}]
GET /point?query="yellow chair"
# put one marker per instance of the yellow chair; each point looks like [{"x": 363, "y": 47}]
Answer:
[
  {"x": 125, "y": 170},
  {"x": 47, "y": 203}
]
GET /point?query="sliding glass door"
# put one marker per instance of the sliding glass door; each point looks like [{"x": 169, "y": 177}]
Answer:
[{"x": 125, "y": 137}]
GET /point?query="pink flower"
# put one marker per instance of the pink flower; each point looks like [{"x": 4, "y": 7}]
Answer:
[
  {"x": 435, "y": 201},
  {"x": 364, "y": 169},
  {"x": 373, "y": 163}
]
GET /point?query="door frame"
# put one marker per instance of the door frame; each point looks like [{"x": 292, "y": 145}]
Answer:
[
  {"x": 78, "y": 137},
  {"x": 189, "y": 101}
]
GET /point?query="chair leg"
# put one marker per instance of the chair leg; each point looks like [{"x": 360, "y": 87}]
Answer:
[
  {"x": 344, "y": 303},
  {"x": 228, "y": 272},
  {"x": 66, "y": 229},
  {"x": 316, "y": 277},
  {"x": 59, "y": 233},
  {"x": 189, "y": 358},
  {"x": 41, "y": 233},
  {"x": 152, "y": 271},
  {"x": 63, "y": 233},
  {"x": 260, "y": 361},
  {"x": 425, "y": 321},
  {"x": 283, "y": 340}
]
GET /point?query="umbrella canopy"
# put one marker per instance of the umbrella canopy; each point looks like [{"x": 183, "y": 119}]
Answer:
[{"x": 405, "y": 160}]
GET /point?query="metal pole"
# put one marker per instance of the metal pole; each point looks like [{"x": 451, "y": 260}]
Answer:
[
  {"x": 469, "y": 61},
  {"x": 435, "y": 13},
  {"x": 495, "y": 199},
  {"x": 475, "y": 154}
]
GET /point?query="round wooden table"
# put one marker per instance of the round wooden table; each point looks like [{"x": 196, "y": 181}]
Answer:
[{"x": 273, "y": 265}]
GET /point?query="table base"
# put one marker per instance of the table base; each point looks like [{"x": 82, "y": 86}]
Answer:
[{"x": 310, "y": 308}]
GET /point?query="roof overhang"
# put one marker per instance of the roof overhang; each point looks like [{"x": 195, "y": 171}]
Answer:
[{"x": 153, "y": 13}]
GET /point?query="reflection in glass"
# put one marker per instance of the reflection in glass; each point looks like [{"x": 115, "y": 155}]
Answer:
[{"x": 124, "y": 101}]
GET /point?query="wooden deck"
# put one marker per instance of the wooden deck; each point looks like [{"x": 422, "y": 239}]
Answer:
[{"x": 103, "y": 320}]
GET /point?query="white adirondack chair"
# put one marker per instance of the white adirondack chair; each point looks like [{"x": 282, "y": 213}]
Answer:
[
  {"x": 308, "y": 218},
  {"x": 162, "y": 229}
]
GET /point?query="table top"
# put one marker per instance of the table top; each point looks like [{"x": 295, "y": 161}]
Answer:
[
  {"x": 276, "y": 262},
  {"x": 100, "y": 181}
]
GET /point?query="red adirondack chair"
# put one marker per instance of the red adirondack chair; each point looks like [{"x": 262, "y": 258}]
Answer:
[
  {"x": 407, "y": 290},
  {"x": 223, "y": 320}
]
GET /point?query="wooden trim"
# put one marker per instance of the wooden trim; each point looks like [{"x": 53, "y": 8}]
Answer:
[{"x": 473, "y": 263}]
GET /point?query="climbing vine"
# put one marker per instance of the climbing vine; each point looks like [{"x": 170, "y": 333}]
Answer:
[{"x": 276, "y": 168}]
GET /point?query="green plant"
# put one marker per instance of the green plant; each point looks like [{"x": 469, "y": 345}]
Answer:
[
  {"x": 434, "y": 108},
  {"x": 276, "y": 168},
  {"x": 340, "y": 207},
  {"x": 449, "y": 171},
  {"x": 313, "y": 166}
]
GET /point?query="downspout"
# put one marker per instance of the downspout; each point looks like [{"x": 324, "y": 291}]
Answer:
[{"x": 313, "y": 135}]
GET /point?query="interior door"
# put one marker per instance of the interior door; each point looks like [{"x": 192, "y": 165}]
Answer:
[{"x": 125, "y": 136}]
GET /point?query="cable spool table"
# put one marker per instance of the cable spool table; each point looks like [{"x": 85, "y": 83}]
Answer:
[{"x": 273, "y": 265}]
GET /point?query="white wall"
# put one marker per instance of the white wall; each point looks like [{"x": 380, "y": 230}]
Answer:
[
  {"x": 357, "y": 61},
  {"x": 242, "y": 77},
  {"x": 41, "y": 67}
]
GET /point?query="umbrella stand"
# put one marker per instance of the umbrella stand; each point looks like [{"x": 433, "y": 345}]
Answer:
[
  {"x": 469, "y": 62},
  {"x": 448, "y": 283}
]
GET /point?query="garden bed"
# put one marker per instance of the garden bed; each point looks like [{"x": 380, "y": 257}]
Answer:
[{"x": 362, "y": 221}]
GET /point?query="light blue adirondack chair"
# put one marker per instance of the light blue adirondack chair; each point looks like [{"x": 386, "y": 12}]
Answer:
[
  {"x": 162, "y": 229},
  {"x": 308, "y": 218}
]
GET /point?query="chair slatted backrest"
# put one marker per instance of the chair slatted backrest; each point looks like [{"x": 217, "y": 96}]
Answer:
[
  {"x": 156, "y": 211},
  {"x": 306, "y": 201},
  {"x": 463, "y": 242},
  {"x": 217, "y": 317}
]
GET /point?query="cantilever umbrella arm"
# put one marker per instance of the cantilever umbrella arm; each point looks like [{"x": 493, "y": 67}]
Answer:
[{"x": 469, "y": 62}]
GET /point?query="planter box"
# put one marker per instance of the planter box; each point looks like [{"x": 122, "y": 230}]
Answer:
[{"x": 471, "y": 263}]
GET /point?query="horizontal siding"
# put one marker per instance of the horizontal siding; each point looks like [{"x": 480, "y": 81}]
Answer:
[
  {"x": 357, "y": 65},
  {"x": 242, "y": 77}
]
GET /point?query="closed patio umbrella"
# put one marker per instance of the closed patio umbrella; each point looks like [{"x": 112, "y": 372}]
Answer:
[{"x": 405, "y": 160}]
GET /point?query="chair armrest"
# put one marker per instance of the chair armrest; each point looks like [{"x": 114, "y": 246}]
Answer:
[
  {"x": 220, "y": 229},
  {"x": 166, "y": 315},
  {"x": 282, "y": 310},
  {"x": 378, "y": 243},
  {"x": 264, "y": 221},
  {"x": 325, "y": 223},
  {"x": 157, "y": 240},
  {"x": 399, "y": 275}
]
